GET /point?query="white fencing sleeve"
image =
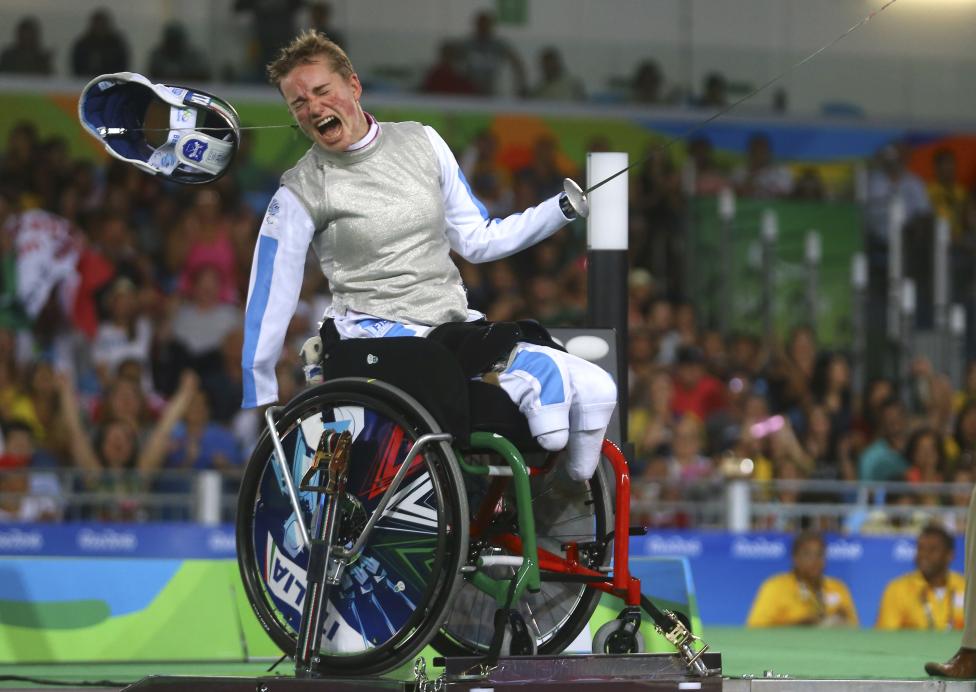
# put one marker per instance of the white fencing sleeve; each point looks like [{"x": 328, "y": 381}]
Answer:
[
  {"x": 471, "y": 232},
  {"x": 272, "y": 295}
]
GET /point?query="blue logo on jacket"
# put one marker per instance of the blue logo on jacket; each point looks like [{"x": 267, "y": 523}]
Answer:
[{"x": 194, "y": 149}]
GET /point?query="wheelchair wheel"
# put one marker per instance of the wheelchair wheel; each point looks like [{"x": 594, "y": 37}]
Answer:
[
  {"x": 565, "y": 510},
  {"x": 392, "y": 599}
]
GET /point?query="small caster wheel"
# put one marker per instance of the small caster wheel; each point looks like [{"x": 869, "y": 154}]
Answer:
[{"x": 619, "y": 637}]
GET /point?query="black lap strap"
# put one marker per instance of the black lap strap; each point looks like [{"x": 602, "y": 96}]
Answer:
[
  {"x": 423, "y": 369},
  {"x": 480, "y": 346}
]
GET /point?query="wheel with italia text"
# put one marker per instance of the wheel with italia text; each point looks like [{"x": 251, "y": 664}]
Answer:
[{"x": 392, "y": 599}]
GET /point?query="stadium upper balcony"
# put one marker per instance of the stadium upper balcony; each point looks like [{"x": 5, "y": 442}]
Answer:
[{"x": 913, "y": 61}]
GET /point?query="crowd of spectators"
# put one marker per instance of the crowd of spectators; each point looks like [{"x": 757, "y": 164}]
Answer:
[
  {"x": 472, "y": 65},
  {"x": 125, "y": 356},
  {"x": 123, "y": 360}
]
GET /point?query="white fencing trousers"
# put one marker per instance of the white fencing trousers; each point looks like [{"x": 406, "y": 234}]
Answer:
[{"x": 566, "y": 401}]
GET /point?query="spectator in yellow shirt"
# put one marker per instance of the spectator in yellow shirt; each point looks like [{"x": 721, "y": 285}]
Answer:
[
  {"x": 930, "y": 598},
  {"x": 803, "y": 596}
]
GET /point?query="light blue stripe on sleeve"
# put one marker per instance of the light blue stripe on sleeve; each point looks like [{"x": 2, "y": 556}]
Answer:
[
  {"x": 477, "y": 202},
  {"x": 267, "y": 249},
  {"x": 544, "y": 369}
]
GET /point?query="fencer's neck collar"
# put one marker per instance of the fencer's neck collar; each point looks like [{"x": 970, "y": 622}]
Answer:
[
  {"x": 371, "y": 134},
  {"x": 361, "y": 150}
]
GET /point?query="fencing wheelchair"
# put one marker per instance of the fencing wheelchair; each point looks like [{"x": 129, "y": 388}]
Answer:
[{"x": 379, "y": 514}]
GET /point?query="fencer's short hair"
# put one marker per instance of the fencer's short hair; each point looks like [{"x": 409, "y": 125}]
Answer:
[{"x": 306, "y": 48}]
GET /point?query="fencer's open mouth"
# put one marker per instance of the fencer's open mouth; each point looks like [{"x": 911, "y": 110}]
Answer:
[{"x": 328, "y": 125}]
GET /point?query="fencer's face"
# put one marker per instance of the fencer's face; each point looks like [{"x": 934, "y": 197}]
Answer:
[{"x": 325, "y": 104}]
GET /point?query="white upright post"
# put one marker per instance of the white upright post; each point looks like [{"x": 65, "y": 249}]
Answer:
[{"x": 607, "y": 265}]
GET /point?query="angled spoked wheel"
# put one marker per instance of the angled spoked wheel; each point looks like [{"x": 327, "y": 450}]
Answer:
[
  {"x": 392, "y": 598},
  {"x": 565, "y": 511}
]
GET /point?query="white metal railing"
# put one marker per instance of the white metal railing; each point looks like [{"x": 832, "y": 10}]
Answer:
[
  {"x": 205, "y": 497},
  {"x": 738, "y": 504},
  {"x": 744, "y": 505}
]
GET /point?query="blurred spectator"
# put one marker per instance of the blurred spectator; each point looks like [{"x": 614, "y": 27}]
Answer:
[
  {"x": 784, "y": 448},
  {"x": 640, "y": 295},
  {"x": 929, "y": 395},
  {"x": 687, "y": 463},
  {"x": 652, "y": 421},
  {"x": 45, "y": 251},
  {"x": 204, "y": 237},
  {"x": 708, "y": 176},
  {"x": 256, "y": 184},
  {"x": 175, "y": 59},
  {"x": 52, "y": 173},
  {"x": 715, "y": 91},
  {"x": 803, "y": 596},
  {"x": 791, "y": 373},
  {"x": 876, "y": 393},
  {"x": 716, "y": 357},
  {"x": 26, "y": 55},
  {"x": 968, "y": 391},
  {"x": 930, "y": 598},
  {"x": 273, "y": 26},
  {"x": 197, "y": 442},
  {"x": 695, "y": 391},
  {"x": 101, "y": 49},
  {"x": 125, "y": 333},
  {"x": 647, "y": 84},
  {"x": 543, "y": 299},
  {"x": 506, "y": 295},
  {"x": 544, "y": 176},
  {"x": 490, "y": 182},
  {"x": 556, "y": 84},
  {"x": 658, "y": 196},
  {"x": 198, "y": 326},
  {"x": 884, "y": 459},
  {"x": 831, "y": 388},
  {"x": 224, "y": 388},
  {"x": 751, "y": 441},
  {"x": 319, "y": 18},
  {"x": 656, "y": 496},
  {"x": 123, "y": 399},
  {"x": 745, "y": 353},
  {"x": 116, "y": 464},
  {"x": 809, "y": 186},
  {"x": 447, "y": 75},
  {"x": 110, "y": 254},
  {"x": 19, "y": 160},
  {"x": 965, "y": 436},
  {"x": 486, "y": 55},
  {"x": 926, "y": 462},
  {"x": 29, "y": 489},
  {"x": 948, "y": 197},
  {"x": 828, "y": 449},
  {"x": 890, "y": 179},
  {"x": 686, "y": 323},
  {"x": 761, "y": 176}
]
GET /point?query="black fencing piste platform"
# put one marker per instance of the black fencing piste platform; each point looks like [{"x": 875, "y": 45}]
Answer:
[{"x": 638, "y": 672}]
